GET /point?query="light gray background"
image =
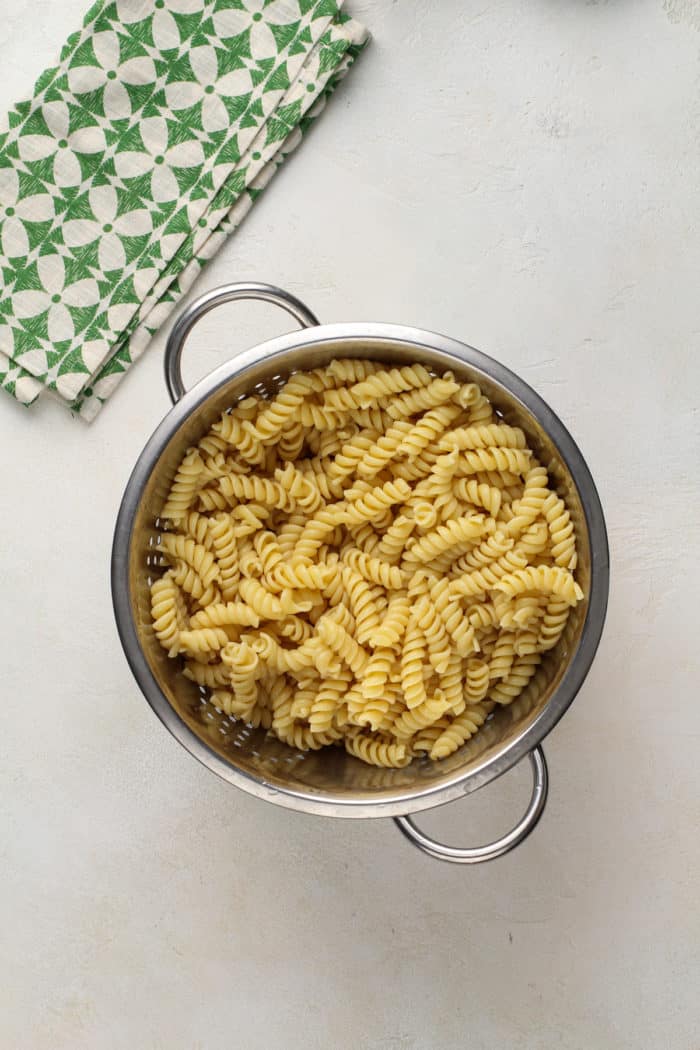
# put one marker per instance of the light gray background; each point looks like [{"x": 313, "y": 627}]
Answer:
[{"x": 524, "y": 176}]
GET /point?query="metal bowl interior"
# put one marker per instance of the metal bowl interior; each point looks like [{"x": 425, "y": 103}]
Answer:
[{"x": 330, "y": 782}]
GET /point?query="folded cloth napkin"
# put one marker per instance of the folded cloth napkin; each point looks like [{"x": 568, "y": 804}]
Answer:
[{"x": 134, "y": 160}]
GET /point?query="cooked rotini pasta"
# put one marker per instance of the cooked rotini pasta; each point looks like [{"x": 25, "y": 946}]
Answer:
[{"x": 372, "y": 559}]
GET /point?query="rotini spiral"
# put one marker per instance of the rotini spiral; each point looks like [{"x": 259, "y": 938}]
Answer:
[
  {"x": 361, "y": 604},
  {"x": 383, "y": 384},
  {"x": 237, "y": 487},
  {"x": 477, "y": 682},
  {"x": 391, "y": 546},
  {"x": 169, "y": 613},
  {"x": 417, "y": 718},
  {"x": 529, "y": 506},
  {"x": 378, "y": 751},
  {"x": 513, "y": 684},
  {"x": 514, "y": 460},
  {"x": 437, "y": 392},
  {"x": 376, "y": 673},
  {"x": 300, "y": 489},
  {"x": 562, "y": 532},
  {"x": 183, "y": 548},
  {"x": 413, "y": 657},
  {"x": 337, "y": 638},
  {"x": 197, "y": 527},
  {"x": 485, "y": 436},
  {"x": 223, "y": 541},
  {"x": 374, "y": 569},
  {"x": 201, "y": 640},
  {"x": 487, "y": 496},
  {"x": 433, "y": 629},
  {"x": 461, "y": 530},
  {"x": 225, "y": 614},
  {"x": 327, "y": 701},
  {"x": 542, "y": 579},
  {"x": 376, "y": 501},
  {"x": 462, "y": 728},
  {"x": 480, "y": 581}
]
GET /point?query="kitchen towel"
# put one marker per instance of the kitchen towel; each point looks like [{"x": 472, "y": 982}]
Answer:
[{"x": 136, "y": 157}]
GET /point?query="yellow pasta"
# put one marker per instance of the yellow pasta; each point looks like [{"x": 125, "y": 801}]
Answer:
[
  {"x": 184, "y": 487},
  {"x": 372, "y": 558},
  {"x": 169, "y": 613},
  {"x": 462, "y": 728},
  {"x": 224, "y": 543}
]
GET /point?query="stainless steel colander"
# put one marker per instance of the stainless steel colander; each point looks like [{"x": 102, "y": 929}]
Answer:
[{"x": 330, "y": 782}]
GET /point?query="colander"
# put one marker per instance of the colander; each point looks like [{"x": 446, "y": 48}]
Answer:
[{"x": 330, "y": 782}]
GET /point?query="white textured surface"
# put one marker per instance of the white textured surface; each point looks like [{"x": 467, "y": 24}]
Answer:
[{"x": 524, "y": 176}]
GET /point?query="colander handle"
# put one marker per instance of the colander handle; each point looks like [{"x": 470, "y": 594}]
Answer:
[
  {"x": 477, "y": 854},
  {"x": 227, "y": 293}
]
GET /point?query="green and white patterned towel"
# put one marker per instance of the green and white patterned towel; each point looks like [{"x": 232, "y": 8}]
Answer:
[{"x": 134, "y": 160}]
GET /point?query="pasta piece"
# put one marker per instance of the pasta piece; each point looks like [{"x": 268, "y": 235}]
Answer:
[
  {"x": 327, "y": 701},
  {"x": 452, "y": 684},
  {"x": 374, "y": 569},
  {"x": 562, "y": 532},
  {"x": 283, "y": 408},
  {"x": 477, "y": 682},
  {"x": 467, "y": 395},
  {"x": 300, "y": 489},
  {"x": 479, "y": 494},
  {"x": 251, "y": 488},
  {"x": 376, "y": 673},
  {"x": 376, "y": 501},
  {"x": 480, "y": 581},
  {"x": 542, "y": 579},
  {"x": 427, "y": 430},
  {"x": 223, "y": 541},
  {"x": 291, "y": 442},
  {"x": 417, "y": 718},
  {"x": 183, "y": 548},
  {"x": 191, "y": 582},
  {"x": 458, "y": 626},
  {"x": 521, "y": 672},
  {"x": 200, "y": 640},
  {"x": 169, "y": 613},
  {"x": 361, "y": 604},
  {"x": 184, "y": 488},
  {"x": 488, "y": 551},
  {"x": 271, "y": 606},
  {"x": 516, "y": 461},
  {"x": 378, "y": 751},
  {"x": 553, "y": 623},
  {"x": 412, "y": 659},
  {"x": 316, "y": 530},
  {"x": 393, "y": 625},
  {"x": 432, "y": 627},
  {"x": 224, "y": 614},
  {"x": 435, "y": 393},
  {"x": 463, "y": 727},
  {"x": 394, "y": 381},
  {"x": 197, "y": 526},
  {"x": 444, "y": 537},
  {"x": 502, "y": 656},
  {"x": 393, "y": 542},
  {"x": 351, "y": 370},
  {"x": 210, "y": 675},
  {"x": 337, "y": 638},
  {"x": 385, "y": 448},
  {"x": 485, "y": 436},
  {"x": 529, "y": 506}
]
